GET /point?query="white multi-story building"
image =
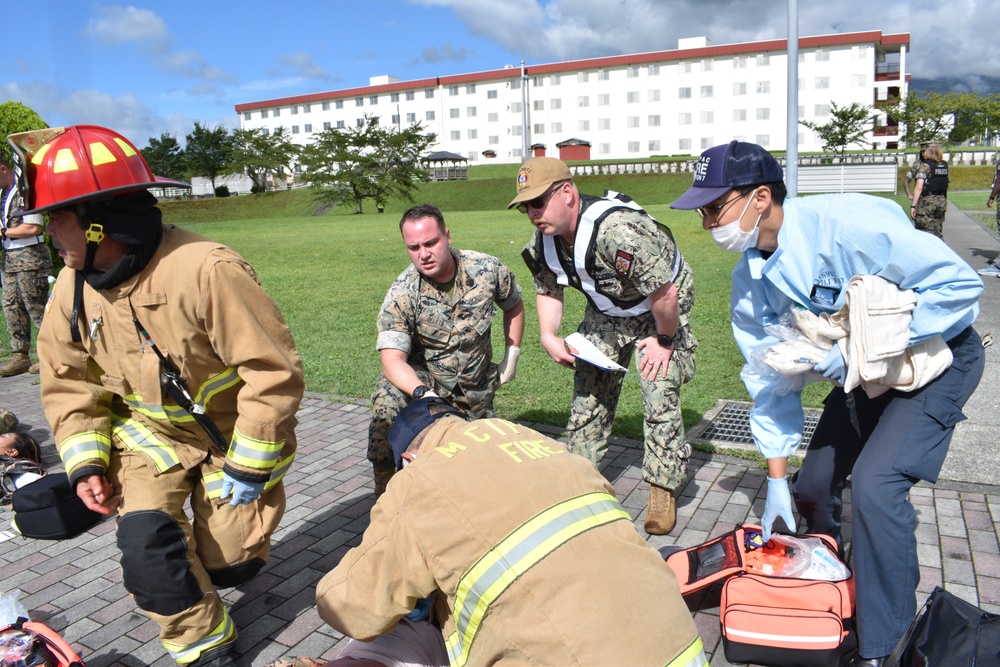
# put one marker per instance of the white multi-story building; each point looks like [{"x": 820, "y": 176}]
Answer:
[{"x": 632, "y": 106}]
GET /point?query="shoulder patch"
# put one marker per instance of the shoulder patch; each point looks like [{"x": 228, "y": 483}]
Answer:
[{"x": 623, "y": 262}]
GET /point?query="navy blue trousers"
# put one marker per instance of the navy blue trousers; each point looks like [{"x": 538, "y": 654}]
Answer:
[{"x": 886, "y": 444}]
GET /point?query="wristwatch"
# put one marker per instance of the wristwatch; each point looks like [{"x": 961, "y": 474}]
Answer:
[
  {"x": 419, "y": 392},
  {"x": 664, "y": 340}
]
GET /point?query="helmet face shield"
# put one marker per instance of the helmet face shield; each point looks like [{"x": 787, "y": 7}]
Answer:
[{"x": 68, "y": 165}]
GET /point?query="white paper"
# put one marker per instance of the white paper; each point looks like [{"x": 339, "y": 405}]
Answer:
[{"x": 586, "y": 351}]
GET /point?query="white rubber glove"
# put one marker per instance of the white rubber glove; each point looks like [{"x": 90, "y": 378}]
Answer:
[
  {"x": 508, "y": 367},
  {"x": 777, "y": 505},
  {"x": 243, "y": 493}
]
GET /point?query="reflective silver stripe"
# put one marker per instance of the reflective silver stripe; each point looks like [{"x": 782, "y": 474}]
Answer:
[
  {"x": 525, "y": 547},
  {"x": 222, "y": 633},
  {"x": 244, "y": 451},
  {"x": 212, "y": 387},
  {"x": 137, "y": 437},
  {"x": 85, "y": 447}
]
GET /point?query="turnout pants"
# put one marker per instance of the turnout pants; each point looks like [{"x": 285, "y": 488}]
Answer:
[
  {"x": 596, "y": 393},
  {"x": 172, "y": 563},
  {"x": 886, "y": 444}
]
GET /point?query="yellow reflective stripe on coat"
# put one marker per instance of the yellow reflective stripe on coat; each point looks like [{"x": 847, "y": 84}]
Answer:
[
  {"x": 84, "y": 447},
  {"x": 208, "y": 390},
  {"x": 213, "y": 480},
  {"x": 222, "y": 633},
  {"x": 521, "y": 550},
  {"x": 692, "y": 656},
  {"x": 251, "y": 453},
  {"x": 137, "y": 437}
]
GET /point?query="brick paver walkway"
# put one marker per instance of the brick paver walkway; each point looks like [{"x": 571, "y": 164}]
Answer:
[{"x": 76, "y": 585}]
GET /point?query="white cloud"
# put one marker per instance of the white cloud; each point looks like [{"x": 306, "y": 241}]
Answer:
[
  {"x": 302, "y": 65},
  {"x": 434, "y": 54}
]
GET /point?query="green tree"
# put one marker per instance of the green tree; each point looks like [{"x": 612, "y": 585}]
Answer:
[
  {"x": 260, "y": 154},
  {"x": 366, "y": 162},
  {"x": 926, "y": 117},
  {"x": 847, "y": 126},
  {"x": 15, "y": 117},
  {"x": 208, "y": 152},
  {"x": 166, "y": 157}
]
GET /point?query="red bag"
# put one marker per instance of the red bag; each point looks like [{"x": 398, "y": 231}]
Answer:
[
  {"x": 47, "y": 646},
  {"x": 776, "y": 621}
]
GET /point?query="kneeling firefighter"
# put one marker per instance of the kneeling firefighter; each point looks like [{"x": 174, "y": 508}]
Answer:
[{"x": 167, "y": 375}]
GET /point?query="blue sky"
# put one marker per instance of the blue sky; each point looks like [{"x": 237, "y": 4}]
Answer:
[{"x": 150, "y": 67}]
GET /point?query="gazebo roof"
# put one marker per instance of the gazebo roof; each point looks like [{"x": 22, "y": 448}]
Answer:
[{"x": 444, "y": 156}]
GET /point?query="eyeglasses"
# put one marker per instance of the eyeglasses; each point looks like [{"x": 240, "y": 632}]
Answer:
[
  {"x": 539, "y": 201},
  {"x": 717, "y": 209}
]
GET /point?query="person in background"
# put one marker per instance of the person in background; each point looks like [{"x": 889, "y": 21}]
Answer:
[
  {"x": 930, "y": 194},
  {"x": 639, "y": 291},
  {"x": 434, "y": 331},
  {"x": 802, "y": 254},
  {"x": 911, "y": 173},
  {"x": 992, "y": 269}
]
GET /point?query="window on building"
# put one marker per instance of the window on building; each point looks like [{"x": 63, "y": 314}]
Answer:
[
  {"x": 822, "y": 55},
  {"x": 453, "y": 113},
  {"x": 309, "y": 128},
  {"x": 763, "y": 86},
  {"x": 603, "y": 100},
  {"x": 326, "y": 106},
  {"x": 653, "y": 121},
  {"x": 633, "y": 147},
  {"x": 263, "y": 113},
  {"x": 538, "y": 128},
  {"x": 456, "y": 135},
  {"x": 822, "y": 110},
  {"x": 429, "y": 115},
  {"x": 538, "y": 105},
  {"x": 632, "y": 72},
  {"x": 652, "y": 70},
  {"x": 538, "y": 81},
  {"x": 582, "y": 77},
  {"x": 393, "y": 97},
  {"x": 860, "y": 51},
  {"x": 493, "y": 117},
  {"x": 555, "y": 128},
  {"x": 555, "y": 80},
  {"x": 652, "y": 95},
  {"x": 515, "y": 107},
  {"x": 326, "y": 125},
  {"x": 707, "y": 91},
  {"x": 411, "y": 118},
  {"x": 583, "y": 101},
  {"x": 452, "y": 90},
  {"x": 470, "y": 112},
  {"x": 473, "y": 156},
  {"x": 470, "y": 89},
  {"x": 707, "y": 117},
  {"x": 740, "y": 88},
  {"x": 295, "y": 109},
  {"x": 491, "y": 94},
  {"x": 276, "y": 112},
  {"x": 684, "y": 67},
  {"x": 583, "y": 125},
  {"x": 604, "y": 149},
  {"x": 603, "y": 75},
  {"x": 654, "y": 145},
  {"x": 395, "y": 119},
  {"x": 360, "y": 122},
  {"x": 763, "y": 60},
  {"x": 822, "y": 82},
  {"x": 632, "y": 122},
  {"x": 515, "y": 84},
  {"x": 494, "y": 139},
  {"x": 267, "y": 131},
  {"x": 603, "y": 123},
  {"x": 684, "y": 93},
  {"x": 859, "y": 80},
  {"x": 373, "y": 99},
  {"x": 802, "y": 110},
  {"x": 706, "y": 143},
  {"x": 410, "y": 95},
  {"x": 740, "y": 62},
  {"x": 684, "y": 119},
  {"x": 295, "y": 129},
  {"x": 516, "y": 152},
  {"x": 340, "y": 125},
  {"x": 555, "y": 103},
  {"x": 246, "y": 115},
  {"x": 359, "y": 101},
  {"x": 763, "y": 113},
  {"x": 684, "y": 144},
  {"x": 632, "y": 97},
  {"x": 706, "y": 65},
  {"x": 739, "y": 115},
  {"x": 515, "y": 130},
  {"x": 763, "y": 140},
  {"x": 339, "y": 104},
  {"x": 429, "y": 94}
]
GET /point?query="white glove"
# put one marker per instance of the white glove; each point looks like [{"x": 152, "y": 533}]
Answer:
[{"x": 508, "y": 367}]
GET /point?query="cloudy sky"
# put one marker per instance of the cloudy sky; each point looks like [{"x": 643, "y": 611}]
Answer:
[{"x": 151, "y": 67}]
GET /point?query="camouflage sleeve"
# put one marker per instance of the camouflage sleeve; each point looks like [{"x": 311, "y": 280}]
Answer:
[
  {"x": 508, "y": 292},
  {"x": 924, "y": 171},
  {"x": 545, "y": 280},
  {"x": 397, "y": 318},
  {"x": 638, "y": 248}
]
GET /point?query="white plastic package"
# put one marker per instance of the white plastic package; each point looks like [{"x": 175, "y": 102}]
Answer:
[{"x": 11, "y": 608}]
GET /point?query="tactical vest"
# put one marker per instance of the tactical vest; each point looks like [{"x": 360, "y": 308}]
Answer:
[
  {"x": 937, "y": 181},
  {"x": 578, "y": 273}
]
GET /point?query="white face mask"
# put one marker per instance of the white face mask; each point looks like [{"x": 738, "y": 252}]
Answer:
[{"x": 731, "y": 238}]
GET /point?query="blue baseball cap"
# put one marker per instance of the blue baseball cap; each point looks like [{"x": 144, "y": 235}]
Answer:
[
  {"x": 722, "y": 168},
  {"x": 413, "y": 419}
]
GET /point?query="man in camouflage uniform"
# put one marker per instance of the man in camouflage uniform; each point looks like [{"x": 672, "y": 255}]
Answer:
[
  {"x": 639, "y": 291},
  {"x": 930, "y": 194},
  {"x": 27, "y": 266},
  {"x": 434, "y": 331}
]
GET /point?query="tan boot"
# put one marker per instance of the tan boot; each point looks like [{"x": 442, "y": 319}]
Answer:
[
  {"x": 19, "y": 363},
  {"x": 382, "y": 476},
  {"x": 661, "y": 511},
  {"x": 8, "y": 421},
  {"x": 35, "y": 368}
]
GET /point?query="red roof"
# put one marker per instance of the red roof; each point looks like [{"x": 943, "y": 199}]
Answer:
[{"x": 778, "y": 45}]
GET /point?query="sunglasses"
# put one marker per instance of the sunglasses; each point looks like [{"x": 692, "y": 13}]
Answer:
[
  {"x": 540, "y": 200},
  {"x": 714, "y": 211}
]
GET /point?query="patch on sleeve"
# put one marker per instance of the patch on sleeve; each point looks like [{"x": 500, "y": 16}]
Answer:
[{"x": 623, "y": 262}]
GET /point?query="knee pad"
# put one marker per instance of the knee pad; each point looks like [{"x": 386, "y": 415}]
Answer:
[
  {"x": 155, "y": 566},
  {"x": 234, "y": 575}
]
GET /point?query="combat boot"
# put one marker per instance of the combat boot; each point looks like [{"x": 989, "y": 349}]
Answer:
[
  {"x": 661, "y": 511},
  {"x": 382, "y": 476},
  {"x": 19, "y": 363},
  {"x": 35, "y": 368},
  {"x": 8, "y": 421}
]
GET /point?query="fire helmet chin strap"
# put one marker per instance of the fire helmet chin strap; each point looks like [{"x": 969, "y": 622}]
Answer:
[{"x": 94, "y": 234}]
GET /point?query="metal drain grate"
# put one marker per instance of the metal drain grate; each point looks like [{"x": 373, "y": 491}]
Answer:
[{"x": 732, "y": 424}]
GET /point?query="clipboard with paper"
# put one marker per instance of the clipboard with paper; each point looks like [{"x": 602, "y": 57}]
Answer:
[{"x": 586, "y": 351}]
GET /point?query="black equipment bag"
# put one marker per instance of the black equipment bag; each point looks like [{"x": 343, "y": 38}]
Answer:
[
  {"x": 49, "y": 509},
  {"x": 949, "y": 632}
]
